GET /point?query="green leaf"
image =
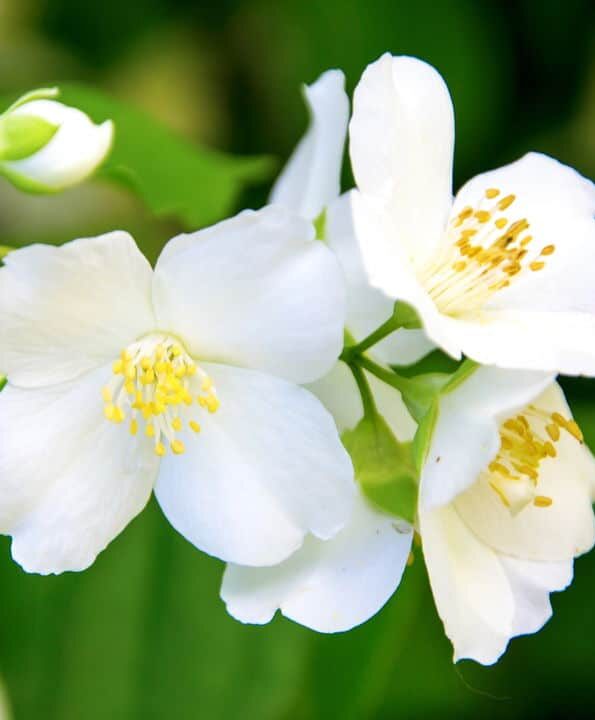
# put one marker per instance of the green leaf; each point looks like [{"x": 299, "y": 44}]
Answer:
[
  {"x": 172, "y": 175},
  {"x": 23, "y": 135},
  {"x": 383, "y": 466}
]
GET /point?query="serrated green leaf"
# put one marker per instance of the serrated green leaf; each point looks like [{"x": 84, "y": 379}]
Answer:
[
  {"x": 383, "y": 466},
  {"x": 172, "y": 175},
  {"x": 23, "y": 135}
]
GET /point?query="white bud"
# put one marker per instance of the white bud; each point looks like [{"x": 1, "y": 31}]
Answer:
[{"x": 46, "y": 146}]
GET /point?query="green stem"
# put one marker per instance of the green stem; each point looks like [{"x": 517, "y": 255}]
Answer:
[
  {"x": 364, "y": 390},
  {"x": 402, "y": 384},
  {"x": 387, "y": 328}
]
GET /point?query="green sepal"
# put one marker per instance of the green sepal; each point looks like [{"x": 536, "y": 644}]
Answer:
[
  {"x": 405, "y": 316},
  {"x": 23, "y": 135},
  {"x": 384, "y": 467},
  {"x": 26, "y": 184},
  {"x": 4, "y": 250},
  {"x": 320, "y": 226},
  {"x": 423, "y": 436},
  {"x": 39, "y": 94},
  {"x": 465, "y": 369}
]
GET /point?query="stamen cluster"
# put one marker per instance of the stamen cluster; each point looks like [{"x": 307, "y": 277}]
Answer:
[
  {"x": 152, "y": 384},
  {"x": 483, "y": 253},
  {"x": 526, "y": 441}
]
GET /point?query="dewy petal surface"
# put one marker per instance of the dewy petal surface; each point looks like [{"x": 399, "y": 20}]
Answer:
[
  {"x": 556, "y": 533},
  {"x": 401, "y": 146},
  {"x": 255, "y": 291},
  {"x": 70, "y": 481},
  {"x": 267, "y": 468},
  {"x": 328, "y": 586},
  {"x": 466, "y": 436},
  {"x": 74, "y": 152},
  {"x": 311, "y": 178},
  {"x": 66, "y": 310}
]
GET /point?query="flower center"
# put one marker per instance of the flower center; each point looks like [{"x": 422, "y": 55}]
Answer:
[
  {"x": 152, "y": 385},
  {"x": 526, "y": 441},
  {"x": 484, "y": 251}
]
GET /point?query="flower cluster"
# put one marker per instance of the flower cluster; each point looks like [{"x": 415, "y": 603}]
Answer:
[{"x": 253, "y": 379}]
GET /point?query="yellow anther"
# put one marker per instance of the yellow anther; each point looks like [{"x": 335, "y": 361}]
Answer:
[
  {"x": 149, "y": 430},
  {"x": 133, "y": 427},
  {"x": 506, "y": 202},
  {"x": 526, "y": 240},
  {"x": 176, "y": 423},
  {"x": 548, "y": 250},
  {"x": 491, "y": 193},
  {"x": 180, "y": 371},
  {"x": 177, "y": 447},
  {"x": 542, "y": 501},
  {"x": 106, "y": 394},
  {"x": 549, "y": 449},
  {"x": 500, "y": 494},
  {"x": 482, "y": 216},
  {"x": 176, "y": 351},
  {"x": 130, "y": 371},
  {"x": 194, "y": 426},
  {"x": 109, "y": 411},
  {"x": 206, "y": 384},
  {"x": 130, "y": 387},
  {"x": 459, "y": 266},
  {"x": 160, "y": 449},
  {"x": 148, "y": 377},
  {"x": 118, "y": 414},
  {"x": 117, "y": 367},
  {"x": 190, "y": 370},
  {"x": 575, "y": 430},
  {"x": 501, "y": 223},
  {"x": 535, "y": 266},
  {"x": 159, "y": 352},
  {"x": 553, "y": 431},
  {"x": 145, "y": 363},
  {"x": 465, "y": 213},
  {"x": 559, "y": 419},
  {"x": 212, "y": 403}
]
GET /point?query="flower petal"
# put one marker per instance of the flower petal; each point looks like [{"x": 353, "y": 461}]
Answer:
[
  {"x": 466, "y": 436},
  {"x": 401, "y": 146},
  {"x": 367, "y": 307},
  {"x": 329, "y": 586},
  {"x": 311, "y": 178},
  {"x": 471, "y": 589},
  {"x": 532, "y": 583},
  {"x": 555, "y": 533},
  {"x": 267, "y": 468},
  {"x": 254, "y": 291},
  {"x": 69, "y": 309},
  {"x": 75, "y": 151},
  {"x": 71, "y": 481}
]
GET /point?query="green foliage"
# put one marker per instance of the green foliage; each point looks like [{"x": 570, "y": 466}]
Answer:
[
  {"x": 23, "y": 135},
  {"x": 383, "y": 466},
  {"x": 172, "y": 175}
]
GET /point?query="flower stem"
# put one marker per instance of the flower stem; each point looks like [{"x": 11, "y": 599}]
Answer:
[{"x": 364, "y": 390}]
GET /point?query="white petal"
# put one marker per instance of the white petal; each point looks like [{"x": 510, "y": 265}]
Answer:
[
  {"x": 401, "y": 146},
  {"x": 471, "y": 589},
  {"x": 551, "y": 534},
  {"x": 75, "y": 151},
  {"x": 466, "y": 436},
  {"x": 535, "y": 340},
  {"x": 532, "y": 583},
  {"x": 544, "y": 320},
  {"x": 69, "y": 309},
  {"x": 311, "y": 178},
  {"x": 71, "y": 481},
  {"x": 255, "y": 291},
  {"x": 328, "y": 586},
  {"x": 267, "y": 468},
  {"x": 367, "y": 307}
]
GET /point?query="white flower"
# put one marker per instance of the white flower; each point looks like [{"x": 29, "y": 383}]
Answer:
[
  {"x": 121, "y": 378},
  {"x": 74, "y": 151},
  {"x": 336, "y": 584},
  {"x": 504, "y": 273},
  {"x": 505, "y": 506}
]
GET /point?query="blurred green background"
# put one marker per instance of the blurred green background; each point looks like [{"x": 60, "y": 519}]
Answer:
[{"x": 142, "y": 634}]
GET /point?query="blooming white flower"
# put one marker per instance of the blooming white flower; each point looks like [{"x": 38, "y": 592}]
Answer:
[
  {"x": 121, "y": 378},
  {"x": 336, "y": 584},
  {"x": 333, "y": 585},
  {"x": 505, "y": 506},
  {"x": 503, "y": 273},
  {"x": 72, "y": 150}
]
